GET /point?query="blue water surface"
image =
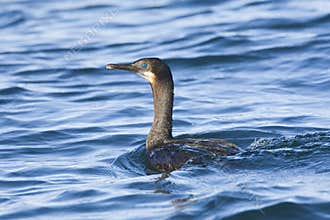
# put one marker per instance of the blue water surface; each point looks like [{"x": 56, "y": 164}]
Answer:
[{"x": 72, "y": 134}]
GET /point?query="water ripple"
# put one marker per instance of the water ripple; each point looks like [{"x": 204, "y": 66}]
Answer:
[{"x": 72, "y": 134}]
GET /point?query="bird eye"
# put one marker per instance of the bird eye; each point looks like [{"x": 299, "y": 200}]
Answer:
[{"x": 144, "y": 65}]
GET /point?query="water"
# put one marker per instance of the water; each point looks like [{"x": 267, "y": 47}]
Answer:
[{"x": 252, "y": 72}]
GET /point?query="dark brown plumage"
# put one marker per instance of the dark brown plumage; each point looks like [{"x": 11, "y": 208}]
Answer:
[{"x": 163, "y": 151}]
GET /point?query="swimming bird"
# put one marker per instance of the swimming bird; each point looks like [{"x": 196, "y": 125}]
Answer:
[{"x": 164, "y": 152}]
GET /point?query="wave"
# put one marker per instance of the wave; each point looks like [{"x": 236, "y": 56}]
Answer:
[
  {"x": 285, "y": 210},
  {"x": 14, "y": 90},
  {"x": 12, "y": 18},
  {"x": 304, "y": 141}
]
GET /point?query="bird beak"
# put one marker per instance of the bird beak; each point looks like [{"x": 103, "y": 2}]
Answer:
[{"x": 128, "y": 67}]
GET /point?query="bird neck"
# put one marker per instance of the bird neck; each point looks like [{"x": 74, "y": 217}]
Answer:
[{"x": 161, "y": 129}]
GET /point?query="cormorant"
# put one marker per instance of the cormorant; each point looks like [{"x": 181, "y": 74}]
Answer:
[{"x": 164, "y": 152}]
